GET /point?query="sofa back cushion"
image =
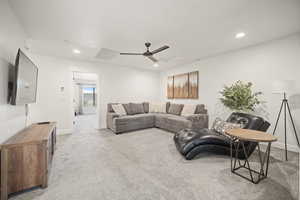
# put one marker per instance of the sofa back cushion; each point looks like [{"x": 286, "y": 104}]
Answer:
[
  {"x": 175, "y": 109},
  {"x": 136, "y": 108},
  {"x": 200, "y": 109},
  {"x": 146, "y": 107},
  {"x": 167, "y": 106},
  {"x": 109, "y": 107},
  {"x": 119, "y": 109},
  {"x": 188, "y": 109},
  {"x": 127, "y": 108}
]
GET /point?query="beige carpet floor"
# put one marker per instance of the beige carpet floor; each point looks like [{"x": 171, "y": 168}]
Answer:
[{"x": 145, "y": 165}]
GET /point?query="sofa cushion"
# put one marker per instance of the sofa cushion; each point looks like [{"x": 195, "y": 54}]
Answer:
[
  {"x": 137, "y": 117},
  {"x": 188, "y": 110},
  {"x": 119, "y": 109},
  {"x": 167, "y": 106},
  {"x": 175, "y": 109},
  {"x": 136, "y": 108},
  {"x": 170, "y": 122},
  {"x": 146, "y": 107},
  {"x": 200, "y": 109},
  {"x": 133, "y": 122},
  {"x": 127, "y": 108},
  {"x": 109, "y": 107}
]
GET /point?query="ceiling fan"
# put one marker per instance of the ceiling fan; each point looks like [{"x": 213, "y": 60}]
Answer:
[{"x": 148, "y": 54}]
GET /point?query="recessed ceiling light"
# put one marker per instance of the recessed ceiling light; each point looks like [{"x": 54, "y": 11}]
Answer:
[
  {"x": 240, "y": 35},
  {"x": 156, "y": 65},
  {"x": 76, "y": 51}
]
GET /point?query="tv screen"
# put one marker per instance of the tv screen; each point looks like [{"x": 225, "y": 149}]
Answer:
[{"x": 25, "y": 80}]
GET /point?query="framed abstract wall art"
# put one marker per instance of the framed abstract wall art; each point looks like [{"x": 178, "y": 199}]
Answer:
[
  {"x": 170, "y": 87},
  {"x": 193, "y": 85},
  {"x": 183, "y": 86}
]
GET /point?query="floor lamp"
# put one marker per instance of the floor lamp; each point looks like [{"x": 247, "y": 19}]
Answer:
[{"x": 281, "y": 87}]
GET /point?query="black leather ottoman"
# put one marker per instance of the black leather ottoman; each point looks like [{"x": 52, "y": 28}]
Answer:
[{"x": 190, "y": 143}]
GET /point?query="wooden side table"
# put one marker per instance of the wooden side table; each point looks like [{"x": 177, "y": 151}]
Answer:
[{"x": 239, "y": 137}]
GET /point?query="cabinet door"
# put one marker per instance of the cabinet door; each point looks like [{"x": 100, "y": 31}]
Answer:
[{"x": 25, "y": 167}]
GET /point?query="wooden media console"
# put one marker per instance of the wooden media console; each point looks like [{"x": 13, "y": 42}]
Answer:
[{"x": 26, "y": 158}]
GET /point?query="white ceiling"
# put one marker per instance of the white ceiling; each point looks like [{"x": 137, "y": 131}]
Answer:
[{"x": 193, "y": 28}]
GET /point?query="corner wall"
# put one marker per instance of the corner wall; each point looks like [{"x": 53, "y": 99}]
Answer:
[{"x": 261, "y": 65}]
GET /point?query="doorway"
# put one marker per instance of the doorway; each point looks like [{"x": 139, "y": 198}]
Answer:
[{"x": 85, "y": 100}]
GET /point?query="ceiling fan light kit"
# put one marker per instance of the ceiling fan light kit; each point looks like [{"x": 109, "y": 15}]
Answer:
[
  {"x": 149, "y": 54},
  {"x": 156, "y": 65}
]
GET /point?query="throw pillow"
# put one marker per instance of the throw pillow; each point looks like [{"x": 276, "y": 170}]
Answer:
[
  {"x": 188, "y": 110},
  {"x": 153, "y": 108},
  {"x": 119, "y": 109},
  {"x": 175, "y": 109},
  {"x": 221, "y": 126},
  {"x": 200, "y": 109},
  {"x": 146, "y": 107},
  {"x": 137, "y": 108},
  {"x": 157, "y": 108},
  {"x": 127, "y": 108}
]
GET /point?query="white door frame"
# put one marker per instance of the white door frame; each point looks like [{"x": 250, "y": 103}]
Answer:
[{"x": 97, "y": 81}]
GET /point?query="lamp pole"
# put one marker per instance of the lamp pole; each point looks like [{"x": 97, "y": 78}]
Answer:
[{"x": 285, "y": 106}]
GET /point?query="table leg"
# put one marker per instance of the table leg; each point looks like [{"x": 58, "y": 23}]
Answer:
[
  {"x": 231, "y": 155},
  {"x": 268, "y": 157}
]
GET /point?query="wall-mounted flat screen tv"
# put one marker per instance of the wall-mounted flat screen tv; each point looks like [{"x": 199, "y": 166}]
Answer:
[{"x": 24, "y": 80}]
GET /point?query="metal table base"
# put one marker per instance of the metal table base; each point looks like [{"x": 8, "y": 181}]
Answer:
[{"x": 236, "y": 163}]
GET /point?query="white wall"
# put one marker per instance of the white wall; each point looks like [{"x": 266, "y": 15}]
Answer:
[
  {"x": 116, "y": 84},
  {"x": 277, "y": 60},
  {"x": 12, "y": 118}
]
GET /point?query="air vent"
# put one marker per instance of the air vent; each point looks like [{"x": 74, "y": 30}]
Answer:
[{"x": 107, "y": 54}]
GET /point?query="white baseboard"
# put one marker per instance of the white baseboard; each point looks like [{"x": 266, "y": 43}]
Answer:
[
  {"x": 64, "y": 131},
  {"x": 290, "y": 147}
]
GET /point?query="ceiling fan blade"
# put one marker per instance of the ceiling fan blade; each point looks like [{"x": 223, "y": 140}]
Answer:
[
  {"x": 131, "y": 54},
  {"x": 152, "y": 58},
  {"x": 160, "y": 49}
]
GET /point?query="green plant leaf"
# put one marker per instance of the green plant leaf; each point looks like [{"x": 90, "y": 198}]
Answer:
[{"x": 239, "y": 96}]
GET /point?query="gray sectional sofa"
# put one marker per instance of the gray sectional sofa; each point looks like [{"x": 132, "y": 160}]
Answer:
[{"x": 138, "y": 117}]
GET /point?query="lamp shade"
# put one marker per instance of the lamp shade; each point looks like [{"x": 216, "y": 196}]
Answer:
[{"x": 282, "y": 86}]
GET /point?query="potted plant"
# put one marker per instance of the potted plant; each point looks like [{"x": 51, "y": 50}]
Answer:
[{"x": 240, "y": 97}]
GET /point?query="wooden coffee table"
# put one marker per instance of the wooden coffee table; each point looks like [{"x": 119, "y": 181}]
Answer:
[{"x": 238, "y": 138}]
